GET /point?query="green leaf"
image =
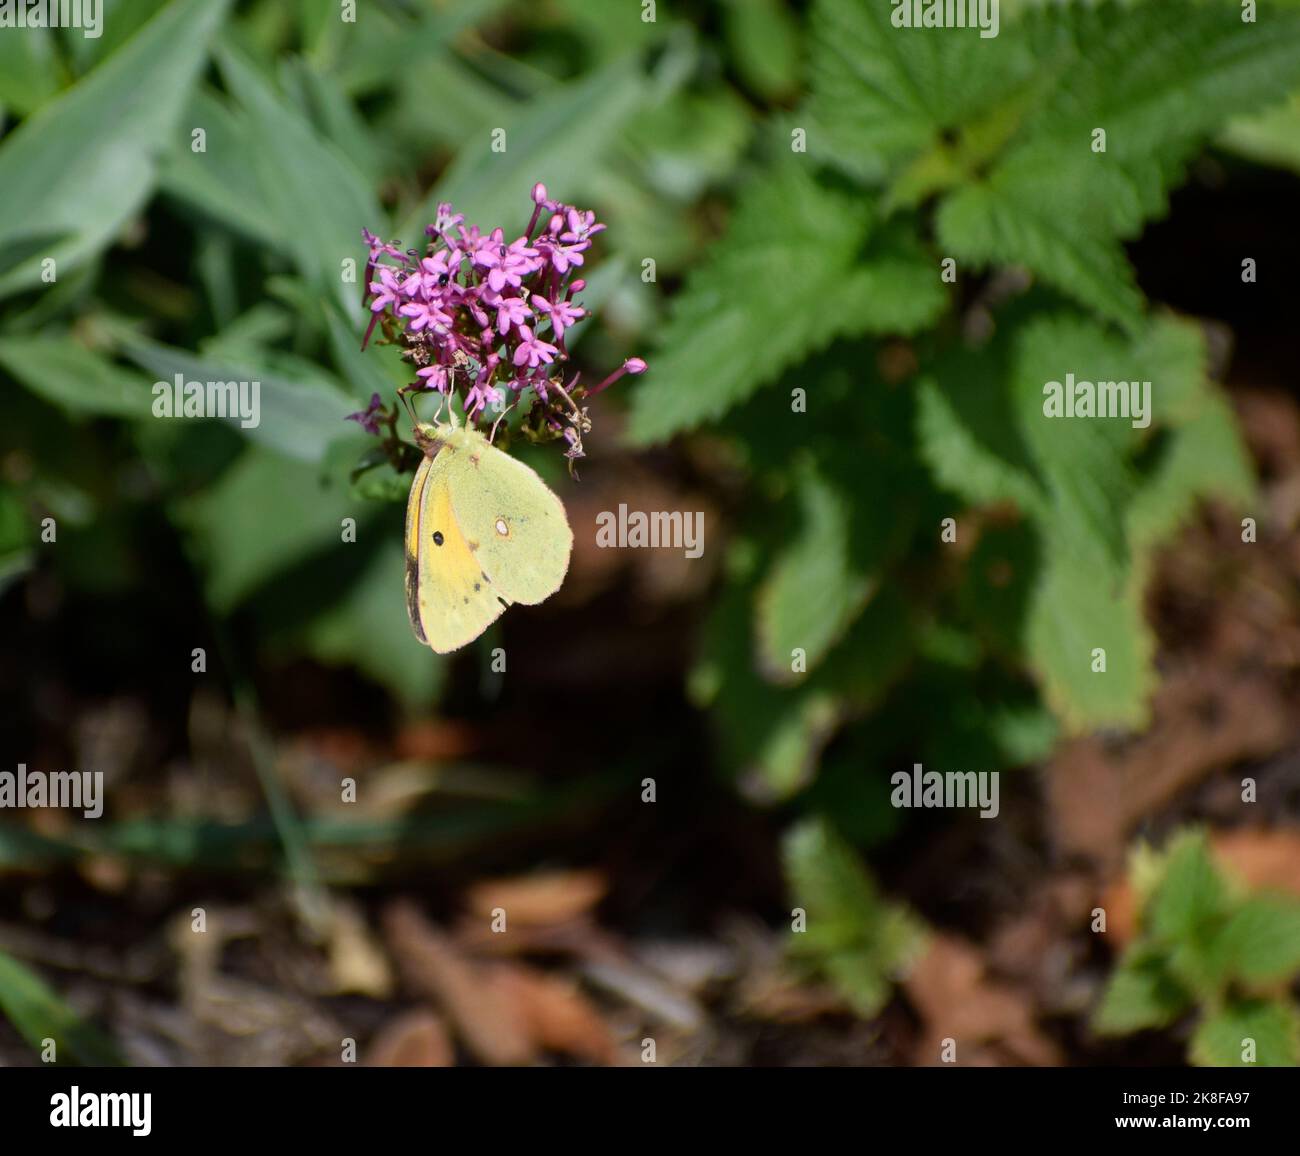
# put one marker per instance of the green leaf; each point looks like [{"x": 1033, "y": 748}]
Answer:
[
  {"x": 770, "y": 737},
  {"x": 296, "y": 417},
  {"x": 1077, "y": 606},
  {"x": 1190, "y": 896},
  {"x": 895, "y": 289},
  {"x": 968, "y": 433},
  {"x": 39, "y": 1013},
  {"x": 1269, "y": 138},
  {"x": 1140, "y": 994},
  {"x": 763, "y": 38},
  {"x": 76, "y": 379},
  {"x": 220, "y": 182},
  {"x": 1271, "y": 1029},
  {"x": 560, "y": 138},
  {"x": 1082, "y": 460},
  {"x": 1023, "y": 216},
  {"x": 1159, "y": 79},
  {"x": 78, "y": 169},
  {"x": 1206, "y": 457},
  {"x": 814, "y": 590},
  {"x": 1260, "y": 942},
  {"x": 369, "y": 628},
  {"x": 854, "y": 937},
  {"x": 319, "y": 201},
  {"x": 29, "y": 73},
  {"x": 764, "y": 299},
  {"x": 882, "y": 94},
  {"x": 263, "y": 515}
]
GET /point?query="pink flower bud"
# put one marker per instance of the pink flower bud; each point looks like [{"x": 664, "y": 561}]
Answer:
[
  {"x": 577, "y": 286},
  {"x": 539, "y": 193},
  {"x": 634, "y": 365}
]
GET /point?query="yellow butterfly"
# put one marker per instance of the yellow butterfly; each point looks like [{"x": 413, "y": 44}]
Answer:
[{"x": 482, "y": 531}]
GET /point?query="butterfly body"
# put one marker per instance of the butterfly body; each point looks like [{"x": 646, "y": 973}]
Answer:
[{"x": 483, "y": 531}]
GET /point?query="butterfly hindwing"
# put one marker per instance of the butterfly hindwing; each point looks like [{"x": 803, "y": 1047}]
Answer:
[{"x": 516, "y": 526}]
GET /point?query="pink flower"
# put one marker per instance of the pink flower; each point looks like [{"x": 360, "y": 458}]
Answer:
[
  {"x": 511, "y": 311},
  {"x": 435, "y": 377},
  {"x": 481, "y": 395},
  {"x": 582, "y": 226},
  {"x": 426, "y": 315},
  {"x": 532, "y": 350},
  {"x": 380, "y": 248},
  {"x": 445, "y": 220},
  {"x": 562, "y": 256},
  {"x": 506, "y": 264},
  {"x": 387, "y": 289},
  {"x": 437, "y": 271},
  {"x": 470, "y": 300},
  {"x": 562, "y": 313}
]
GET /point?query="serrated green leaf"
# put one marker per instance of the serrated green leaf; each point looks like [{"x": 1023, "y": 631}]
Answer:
[
  {"x": 1190, "y": 896},
  {"x": 1021, "y": 216},
  {"x": 860, "y": 941},
  {"x": 1260, "y": 941},
  {"x": 1141, "y": 994},
  {"x": 76, "y": 171},
  {"x": 1082, "y": 460},
  {"x": 896, "y": 289},
  {"x": 1269, "y": 1030},
  {"x": 761, "y": 302},
  {"x": 882, "y": 94},
  {"x": 770, "y": 738},
  {"x": 1205, "y": 457},
  {"x": 968, "y": 434},
  {"x": 1159, "y": 79},
  {"x": 1077, "y": 606}
]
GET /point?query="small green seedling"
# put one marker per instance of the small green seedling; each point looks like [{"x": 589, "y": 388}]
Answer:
[{"x": 1209, "y": 948}]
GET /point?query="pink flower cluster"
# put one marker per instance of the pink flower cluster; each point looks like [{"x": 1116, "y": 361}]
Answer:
[{"x": 490, "y": 315}]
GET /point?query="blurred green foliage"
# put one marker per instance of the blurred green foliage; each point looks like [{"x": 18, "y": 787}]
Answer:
[
  {"x": 1207, "y": 945},
  {"x": 852, "y": 936}
]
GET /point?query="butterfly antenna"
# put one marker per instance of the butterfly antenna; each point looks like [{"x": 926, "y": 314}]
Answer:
[
  {"x": 404, "y": 393},
  {"x": 493, "y": 435}
]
